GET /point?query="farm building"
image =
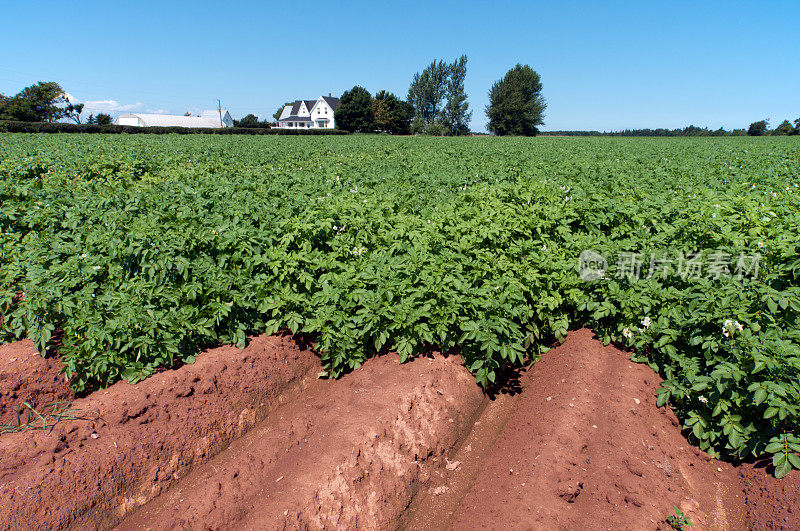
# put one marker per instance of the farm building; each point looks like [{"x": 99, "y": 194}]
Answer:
[
  {"x": 309, "y": 114},
  {"x": 209, "y": 119}
]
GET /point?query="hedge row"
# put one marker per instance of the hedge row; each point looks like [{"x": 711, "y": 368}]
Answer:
[{"x": 44, "y": 127}]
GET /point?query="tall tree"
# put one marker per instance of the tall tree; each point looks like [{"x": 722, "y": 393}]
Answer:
[
  {"x": 797, "y": 126},
  {"x": 355, "y": 112},
  {"x": 428, "y": 90},
  {"x": 758, "y": 128},
  {"x": 516, "y": 105},
  {"x": 392, "y": 115},
  {"x": 41, "y": 102},
  {"x": 456, "y": 114},
  {"x": 784, "y": 128}
]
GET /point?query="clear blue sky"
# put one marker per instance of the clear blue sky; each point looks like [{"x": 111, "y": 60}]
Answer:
[{"x": 604, "y": 65}]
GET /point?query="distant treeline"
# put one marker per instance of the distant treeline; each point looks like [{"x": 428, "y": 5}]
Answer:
[
  {"x": 760, "y": 128},
  {"x": 8, "y": 126},
  {"x": 686, "y": 131}
]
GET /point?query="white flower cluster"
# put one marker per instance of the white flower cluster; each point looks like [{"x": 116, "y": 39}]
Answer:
[
  {"x": 338, "y": 230},
  {"x": 627, "y": 333},
  {"x": 358, "y": 251},
  {"x": 731, "y": 325}
]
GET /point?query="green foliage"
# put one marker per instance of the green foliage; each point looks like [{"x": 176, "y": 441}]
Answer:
[
  {"x": 456, "y": 114},
  {"x": 41, "y": 102},
  {"x": 679, "y": 520},
  {"x": 516, "y": 105},
  {"x": 429, "y": 89},
  {"x": 102, "y": 119},
  {"x": 784, "y": 128},
  {"x": 143, "y": 249},
  {"x": 392, "y": 116},
  {"x": 355, "y": 111},
  {"x": 250, "y": 121},
  {"x": 758, "y": 128}
]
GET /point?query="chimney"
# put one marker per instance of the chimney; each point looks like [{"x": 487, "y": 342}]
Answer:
[{"x": 329, "y": 94}]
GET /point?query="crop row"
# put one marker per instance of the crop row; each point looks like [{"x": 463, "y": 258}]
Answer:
[{"x": 142, "y": 250}]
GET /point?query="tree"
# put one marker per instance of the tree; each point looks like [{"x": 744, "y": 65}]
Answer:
[
  {"x": 797, "y": 126},
  {"x": 73, "y": 111},
  {"x": 251, "y": 120},
  {"x": 102, "y": 119},
  {"x": 516, "y": 105},
  {"x": 36, "y": 103},
  {"x": 277, "y": 114},
  {"x": 758, "y": 128},
  {"x": 427, "y": 91},
  {"x": 392, "y": 115},
  {"x": 456, "y": 114},
  {"x": 784, "y": 128},
  {"x": 355, "y": 112}
]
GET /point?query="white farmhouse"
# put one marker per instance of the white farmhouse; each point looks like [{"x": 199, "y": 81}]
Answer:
[
  {"x": 209, "y": 119},
  {"x": 309, "y": 114}
]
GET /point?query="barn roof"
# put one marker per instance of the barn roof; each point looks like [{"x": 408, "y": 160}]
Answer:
[{"x": 208, "y": 119}]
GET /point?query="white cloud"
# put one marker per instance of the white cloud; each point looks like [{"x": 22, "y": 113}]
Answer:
[
  {"x": 110, "y": 106},
  {"x": 106, "y": 106}
]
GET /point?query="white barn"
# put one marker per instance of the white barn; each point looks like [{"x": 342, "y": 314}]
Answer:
[
  {"x": 209, "y": 119},
  {"x": 310, "y": 114}
]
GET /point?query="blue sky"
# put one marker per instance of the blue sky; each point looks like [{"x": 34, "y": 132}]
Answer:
[{"x": 604, "y": 65}]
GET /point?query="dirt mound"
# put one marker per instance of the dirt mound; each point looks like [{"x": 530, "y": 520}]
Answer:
[
  {"x": 588, "y": 448},
  {"x": 25, "y": 376},
  {"x": 347, "y": 453},
  {"x": 92, "y": 473}
]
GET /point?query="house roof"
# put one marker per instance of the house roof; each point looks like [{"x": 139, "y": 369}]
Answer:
[
  {"x": 331, "y": 101},
  {"x": 295, "y": 118}
]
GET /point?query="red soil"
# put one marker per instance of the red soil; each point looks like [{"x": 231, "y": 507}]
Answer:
[
  {"x": 347, "y": 453},
  {"x": 25, "y": 376},
  {"x": 252, "y": 439},
  {"x": 588, "y": 448},
  {"x": 92, "y": 473}
]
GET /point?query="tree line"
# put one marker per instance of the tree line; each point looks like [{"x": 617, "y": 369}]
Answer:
[
  {"x": 437, "y": 104},
  {"x": 760, "y": 128}
]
